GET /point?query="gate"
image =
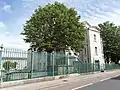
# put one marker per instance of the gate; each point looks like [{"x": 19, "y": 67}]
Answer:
[{"x": 97, "y": 65}]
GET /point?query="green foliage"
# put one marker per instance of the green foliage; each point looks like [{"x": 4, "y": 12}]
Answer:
[
  {"x": 54, "y": 27},
  {"x": 7, "y": 65},
  {"x": 110, "y": 34}
]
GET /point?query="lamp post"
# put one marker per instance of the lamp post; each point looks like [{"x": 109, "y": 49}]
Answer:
[{"x": 1, "y": 47}]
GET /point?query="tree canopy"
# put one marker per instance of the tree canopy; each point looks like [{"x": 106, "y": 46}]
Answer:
[
  {"x": 110, "y": 34},
  {"x": 54, "y": 27}
]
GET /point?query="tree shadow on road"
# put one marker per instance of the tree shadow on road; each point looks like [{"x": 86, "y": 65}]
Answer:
[{"x": 116, "y": 78}]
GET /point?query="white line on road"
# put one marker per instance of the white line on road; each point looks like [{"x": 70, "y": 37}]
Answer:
[
  {"x": 108, "y": 78},
  {"x": 105, "y": 79},
  {"x": 82, "y": 86},
  {"x": 93, "y": 83}
]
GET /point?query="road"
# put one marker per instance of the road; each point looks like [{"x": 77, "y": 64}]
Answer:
[
  {"x": 100, "y": 82},
  {"x": 111, "y": 84},
  {"x": 103, "y": 84}
]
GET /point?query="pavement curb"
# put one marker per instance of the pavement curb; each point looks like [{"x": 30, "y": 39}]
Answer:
[
  {"x": 34, "y": 80},
  {"x": 27, "y": 81}
]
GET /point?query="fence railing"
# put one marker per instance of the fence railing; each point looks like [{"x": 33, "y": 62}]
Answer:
[{"x": 19, "y": 64}]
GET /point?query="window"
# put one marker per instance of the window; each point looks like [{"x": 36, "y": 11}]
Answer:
[
  {"x": 96, "y": 51},
  {"x": 69, "y": 53},
  {"x": 94, "y": 37}
]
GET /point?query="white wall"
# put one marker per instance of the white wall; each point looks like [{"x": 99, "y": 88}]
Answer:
[{"x": 93, "y": 44}]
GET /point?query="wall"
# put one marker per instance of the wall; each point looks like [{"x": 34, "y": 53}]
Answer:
[{"x": 93, "y": 44}]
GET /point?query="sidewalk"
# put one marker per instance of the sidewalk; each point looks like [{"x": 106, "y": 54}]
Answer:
[{"x": 54, "y": 83}]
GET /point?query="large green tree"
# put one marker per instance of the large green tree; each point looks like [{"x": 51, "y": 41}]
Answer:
[
  {"x": 110, "y": 34},
  {"x": 54, "y": 27}
]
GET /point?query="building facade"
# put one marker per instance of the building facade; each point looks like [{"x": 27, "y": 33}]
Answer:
[{"x": 93, "y": 47}]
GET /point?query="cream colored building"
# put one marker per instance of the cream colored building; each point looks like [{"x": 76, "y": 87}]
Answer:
[{"x": 93, "y": 48}]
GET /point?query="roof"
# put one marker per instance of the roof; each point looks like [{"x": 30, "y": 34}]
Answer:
[{"x": 94, "y": 28}]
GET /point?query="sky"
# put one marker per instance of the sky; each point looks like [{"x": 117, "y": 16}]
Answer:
[{"x": 14, "y": 13}]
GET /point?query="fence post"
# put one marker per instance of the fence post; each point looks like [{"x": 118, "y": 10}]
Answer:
[
  {"x": 53, "y": 63},
  {"x": 31, "y": 65},
  {"x": 87, "y": 66},
  {"x": 46, "y": 65},
  {"x": 1, "y": 64},
  {"x": 79, "y": 67},
  {"x": 93, "y": 65},
  {"x": 67, "y": 64}
]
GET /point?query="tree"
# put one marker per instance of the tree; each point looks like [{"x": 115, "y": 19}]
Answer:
[
  {"x": 54, "y": 27},
  {"x": 14, "y": 64},
  {"x": 110, "y": 34},
  {"x": 7, "y": 65}
]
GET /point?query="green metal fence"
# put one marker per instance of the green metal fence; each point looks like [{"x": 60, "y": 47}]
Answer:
[
  {"x": 112, "y": 66},
  {"x": 16, "y": 64}
]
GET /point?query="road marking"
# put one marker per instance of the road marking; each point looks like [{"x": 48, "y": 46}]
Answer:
[
  {"x": 105, "y": 79},
  {"x": 93, "y": 83},
  {"x": 82, "y": 86},
  {"x": 83, "y": 78},
  {"x": 108, "y": 78}
]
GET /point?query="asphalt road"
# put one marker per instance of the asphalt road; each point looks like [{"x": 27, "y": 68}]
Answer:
[
  {"x": 100, "y": 82},
  {"x": 111, "y": 84}
]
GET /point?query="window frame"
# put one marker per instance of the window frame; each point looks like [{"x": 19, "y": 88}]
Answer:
[
  {"x": 95, "y": 39},
  {"x": 96, "y": 51}
]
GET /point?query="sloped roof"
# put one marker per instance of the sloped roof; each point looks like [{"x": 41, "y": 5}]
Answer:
[{"x": 92, "y": 27}]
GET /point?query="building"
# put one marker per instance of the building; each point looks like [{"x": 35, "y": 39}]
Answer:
[{"x": 93, "y": 47}]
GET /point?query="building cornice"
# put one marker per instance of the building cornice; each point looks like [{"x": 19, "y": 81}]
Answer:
[{"x": 92, "y": 28}]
